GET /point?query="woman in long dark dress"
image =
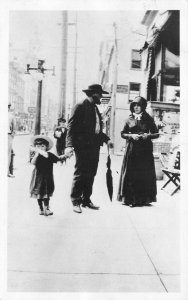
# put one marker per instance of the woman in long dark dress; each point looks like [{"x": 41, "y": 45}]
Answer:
[{"x": 137, "y": 185}]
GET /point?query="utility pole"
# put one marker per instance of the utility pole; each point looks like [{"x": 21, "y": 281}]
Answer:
[
  {"x": 41, "y": 70},
  {"x": 75, "y": 61},
  {"x": 114, "y": 91},
  {"x": 63, "y": 80},
  {"x": 75, "y": 64}
]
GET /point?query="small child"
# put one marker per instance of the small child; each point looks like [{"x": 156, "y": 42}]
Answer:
[{"x": 42, "y": 181}]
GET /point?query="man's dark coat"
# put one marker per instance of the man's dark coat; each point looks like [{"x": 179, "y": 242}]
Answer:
[
  {"x": 81, "y": 127},
  {"x": 81, "y": 135}
]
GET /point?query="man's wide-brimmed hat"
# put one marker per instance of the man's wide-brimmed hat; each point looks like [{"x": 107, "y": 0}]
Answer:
[
  {"x": 42, "y": 137},
  {"x": 97, "y": 88}
]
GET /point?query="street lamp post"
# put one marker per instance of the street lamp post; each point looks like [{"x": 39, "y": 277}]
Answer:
[
  {"x": 38, "y": 108},
  {"x": 41, "y": 70}
]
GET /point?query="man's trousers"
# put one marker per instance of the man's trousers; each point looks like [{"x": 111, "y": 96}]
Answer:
[{"x": 85, "y": 170}]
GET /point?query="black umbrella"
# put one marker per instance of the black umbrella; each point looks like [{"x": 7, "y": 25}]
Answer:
[{"x": 109, "y": 179}]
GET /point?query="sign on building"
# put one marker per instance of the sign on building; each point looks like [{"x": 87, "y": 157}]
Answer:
[
  {"x": 31, "y": 116},
  {"x": 122, "y": 89},
  {"x": 31, "y": 110},
  {"x": 105, "y": 100},
  {"x": 168, "y": 121},
  {"x": 23, "y": 115}
]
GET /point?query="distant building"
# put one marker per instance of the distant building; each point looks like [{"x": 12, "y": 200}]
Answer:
[
  {"x": 23, "y": 91},
  {"x": 142, "y": 64},
  {"x": 16, "y": 94},
  {"x": 121, "y": 72}
]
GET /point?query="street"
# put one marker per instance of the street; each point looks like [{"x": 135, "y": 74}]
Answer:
[{"x": 115, "y": 249}]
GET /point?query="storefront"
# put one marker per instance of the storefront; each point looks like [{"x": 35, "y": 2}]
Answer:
[
  {"x": 162, "y": 48},
  {"x": 21, "y": 120}
]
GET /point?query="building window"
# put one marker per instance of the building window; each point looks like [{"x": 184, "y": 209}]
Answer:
[
  {"x": 134, "y": 90},
  {"x": 136, "y": 60}
]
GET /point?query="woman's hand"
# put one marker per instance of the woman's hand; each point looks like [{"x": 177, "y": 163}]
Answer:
[
  {"x": 145, "y": 136},
  {"x": 135, "y": 136}
]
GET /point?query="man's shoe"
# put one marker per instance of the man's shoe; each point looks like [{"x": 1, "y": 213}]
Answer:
[
  {"x": 41, "y": 212},
  {"x": 10, "y": 175},
  {"x": 90, "y": 205},
  {"x": 48, "y": 212},
  {"x": 77, "y": 209},
  {"x": 133, "y": 205}
]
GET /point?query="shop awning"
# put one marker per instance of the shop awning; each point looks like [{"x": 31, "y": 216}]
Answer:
[
  {"x": 165, "y": 31},
  {"x": 170, "y": 35},
  {"x": 165, "y": 106}
]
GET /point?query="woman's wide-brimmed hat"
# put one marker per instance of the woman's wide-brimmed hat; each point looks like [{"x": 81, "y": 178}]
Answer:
[
  {"x": 97, "y": 88},
  {"x": 42, "y": 137},
  {"x": 140, "y": 100}
]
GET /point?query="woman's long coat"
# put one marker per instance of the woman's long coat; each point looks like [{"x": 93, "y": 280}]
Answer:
[{"x": 138, "y": 179}]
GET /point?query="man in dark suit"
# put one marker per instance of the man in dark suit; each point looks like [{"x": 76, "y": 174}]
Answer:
[
  {"x": 60, "y": 134},
  {"x": 84, "y": 137}
]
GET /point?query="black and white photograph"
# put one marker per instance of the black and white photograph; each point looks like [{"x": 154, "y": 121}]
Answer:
[{"x": 92, "y": 184}]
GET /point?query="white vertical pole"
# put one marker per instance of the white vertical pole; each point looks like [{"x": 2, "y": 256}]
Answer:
[
  {"x": 62, "y": 100},
  {"x": 114, "y": 91},
  {"x": 75, "y": 64}
]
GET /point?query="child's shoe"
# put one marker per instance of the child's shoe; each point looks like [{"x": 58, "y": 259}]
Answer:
[
  {"x": 47, "y": 212},
  {"x": 41, "y": 212}
]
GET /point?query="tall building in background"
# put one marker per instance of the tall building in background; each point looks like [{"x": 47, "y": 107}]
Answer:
[
  {"x": 16, "y": 94},
  {"x": 121, "y": 72},
  {"x": 23, "y": 88},
  {"x": 145, "y": 62}
]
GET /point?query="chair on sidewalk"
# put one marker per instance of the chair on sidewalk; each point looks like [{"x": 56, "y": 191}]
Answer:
[{"x": 172, "y": 171}]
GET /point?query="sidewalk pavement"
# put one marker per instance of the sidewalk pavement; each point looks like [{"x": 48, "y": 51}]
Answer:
[{"x": 116, "y": 249}]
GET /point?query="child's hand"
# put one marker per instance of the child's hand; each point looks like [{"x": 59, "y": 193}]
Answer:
[
  {"x": 35, "y": 149},
  {"x": 69, "y": 151},
  {"x": 43, "y": 153},
  {"x": 62, "y": 158},
  {"x": 32, "y": 148}
]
